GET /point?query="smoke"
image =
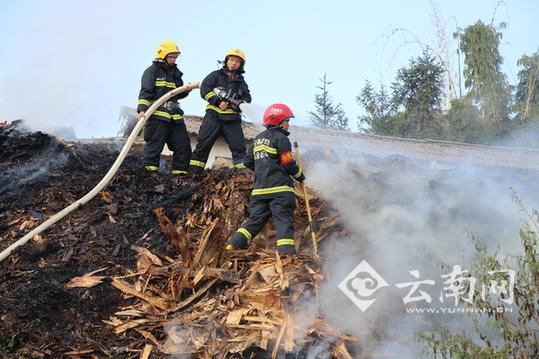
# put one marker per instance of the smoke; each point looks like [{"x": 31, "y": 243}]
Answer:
[
  {"x": 67, "y": 68},
  {"x": 177, "y": 343},
  {"x": 527, "y": 137},
  {"x": 405, "y": 215},
  {"x": 253, "y": 112},
  {"x": 15, "y": 178}
]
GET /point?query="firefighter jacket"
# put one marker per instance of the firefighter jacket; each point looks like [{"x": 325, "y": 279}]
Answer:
[
  {"x": 270, "y": 157},
  {"x": 157, "y": 80},
  {"x": 220, "y": 80}
]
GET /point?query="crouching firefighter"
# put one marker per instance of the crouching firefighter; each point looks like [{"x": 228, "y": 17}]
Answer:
[
  {"x": 224, "y": 90},
  {"x": 166, "y": 124},
  {"x": 270, "y": 157}
]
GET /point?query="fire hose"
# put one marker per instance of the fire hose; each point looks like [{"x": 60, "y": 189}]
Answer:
[{"x": 106, "y": 179}]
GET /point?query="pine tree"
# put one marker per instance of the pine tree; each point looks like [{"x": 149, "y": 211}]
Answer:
[
  {"x": 327, "y": 114},
  {"x": 419, "y": 89}
]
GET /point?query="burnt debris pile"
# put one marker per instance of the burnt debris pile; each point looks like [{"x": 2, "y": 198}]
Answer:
[{"x": 141, "y": 269}]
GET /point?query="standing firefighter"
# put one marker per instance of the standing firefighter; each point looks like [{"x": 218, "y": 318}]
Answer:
[
  {"x": 270, "y": 157},
  {"x": 166, "y": 124},
  {"x": 224, "y": 90}
]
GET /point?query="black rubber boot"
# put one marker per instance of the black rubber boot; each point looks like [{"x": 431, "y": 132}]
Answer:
[
  {"x": 286, "y": 250},
  {"x": 238, "y": 241}
]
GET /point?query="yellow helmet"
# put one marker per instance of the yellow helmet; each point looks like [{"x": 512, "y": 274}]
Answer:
[
  {"x": 165, "y": 48},
  {"x": 237, "y": 53}
]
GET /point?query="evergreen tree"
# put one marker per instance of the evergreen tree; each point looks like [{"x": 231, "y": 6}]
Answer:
[
  {"x": 381, "y": 116},
  {"x": 419, "y": 89},
  {"x": 461, "y": 122},
  {"x": 327, "y": 114}
]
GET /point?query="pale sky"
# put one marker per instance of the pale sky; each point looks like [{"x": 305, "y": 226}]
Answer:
[{"x": 76, "y": 63}]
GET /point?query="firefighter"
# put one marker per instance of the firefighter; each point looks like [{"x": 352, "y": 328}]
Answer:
[
  {"x": 166, "y": 124},
  {"x": 222, "y": 116},
  {"x": 270, "y": 157}
]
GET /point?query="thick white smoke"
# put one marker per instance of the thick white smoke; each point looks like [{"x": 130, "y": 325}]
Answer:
[{"x": 405, "y": 215}]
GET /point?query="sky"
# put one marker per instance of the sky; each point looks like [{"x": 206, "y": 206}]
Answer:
[{"x": 75, "y": 63}]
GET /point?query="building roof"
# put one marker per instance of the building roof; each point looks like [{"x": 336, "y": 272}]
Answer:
[
  {"x": 429, "y": 150},
  {"x": 351, "y": 143}
]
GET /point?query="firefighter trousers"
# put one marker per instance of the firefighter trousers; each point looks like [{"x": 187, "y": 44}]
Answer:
[
  {"x": 174, "y": 134},
  {"x": 281, "y": 206},
  {"x": 211, "y": 129}
]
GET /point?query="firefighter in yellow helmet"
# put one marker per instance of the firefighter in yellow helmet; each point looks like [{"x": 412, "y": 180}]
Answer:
[
  {"x": 166, "y": 124},
  {"x": 224, "y": 90}
]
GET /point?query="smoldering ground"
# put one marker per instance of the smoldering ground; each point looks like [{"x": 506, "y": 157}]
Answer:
[{"x": 21, "y": 166}]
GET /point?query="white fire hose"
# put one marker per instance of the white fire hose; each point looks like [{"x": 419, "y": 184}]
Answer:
[{"x": 106, "y": 179}]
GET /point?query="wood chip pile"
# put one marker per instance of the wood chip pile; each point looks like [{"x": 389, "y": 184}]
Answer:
[
  {"x": 141, "y": 270},
  {"x": 211, "y": 303}
]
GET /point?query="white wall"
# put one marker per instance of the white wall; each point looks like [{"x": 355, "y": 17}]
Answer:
[{"x": 220, "y": 149}]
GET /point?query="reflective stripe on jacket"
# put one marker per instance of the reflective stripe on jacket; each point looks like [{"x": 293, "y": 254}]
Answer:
[
  {"x": 157, "y": 80},
  {"x": 270, "y": 157},
  {"x": 219, "y": 79}
]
